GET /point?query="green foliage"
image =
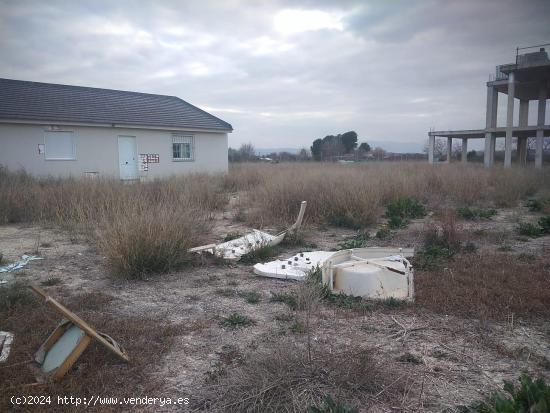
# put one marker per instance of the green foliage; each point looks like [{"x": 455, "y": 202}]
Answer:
[
  {"x": 288, "y": 299},
  {"x": 402, "y": 210},
  {"x": 383, "y": 233},
  {"x": 344, "y": 220},
  {"x": 51, "y": 281},
  {"x": 331, "y": 406},
  {"x": 334, "y": 145},
  {"x": 298, "y": 328},
  {"x": 432, "y": 257},
  {"x": 534, "y": 205},
  {"x": 359, "y": 241},
  {"x": 364, "y": 146},
  {"x": 532, "y": 396},
  {"x": 528, "y": 229},
  {"x": 261, "y": 254},
  {"x": 544, "y": 224},
  {"x": 252, "y": 297},
  {"x": 476, "y": 213},
  {"x": 236, "y": 320},
  {"x": 470, "y": 248}
]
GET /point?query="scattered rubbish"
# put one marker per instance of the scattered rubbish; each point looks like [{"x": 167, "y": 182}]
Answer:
[
  {"x": 233, "y": 250},
  {"x": 293, "y": 268},
  {"x": 25, "y": 259},
  {"x": 6, "y": 338},
  {"x": 365, "y": 272},
  {"x": 67, "y": 342}
]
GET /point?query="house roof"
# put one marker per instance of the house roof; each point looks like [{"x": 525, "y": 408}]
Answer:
[{"x": 34, "y": 101}]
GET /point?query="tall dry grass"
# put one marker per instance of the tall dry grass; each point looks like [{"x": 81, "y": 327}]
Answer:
[{"x": 355, "y": 194}]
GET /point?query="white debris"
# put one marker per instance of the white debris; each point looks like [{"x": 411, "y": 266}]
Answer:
[
  {"x": 14, "y": 266},
  {"x": 365, "y": 272},
  {"x": 6, "y": 339},
  {"x": 293, "y": 268}
]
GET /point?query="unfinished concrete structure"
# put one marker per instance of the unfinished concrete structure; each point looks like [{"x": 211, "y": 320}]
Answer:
[{"x": 527, "y": 79}]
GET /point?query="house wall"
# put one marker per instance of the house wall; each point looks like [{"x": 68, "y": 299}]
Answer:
[{"x": 97, "y": 151}]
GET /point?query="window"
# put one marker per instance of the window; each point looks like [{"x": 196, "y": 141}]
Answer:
[
  {"x": 59, "y": 145},
  {"x": 183, "y": 148}
]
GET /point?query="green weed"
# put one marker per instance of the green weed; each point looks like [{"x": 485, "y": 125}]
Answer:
[
  {"x": 400, "y": 212},
  {"x": 236, "y": 320}
]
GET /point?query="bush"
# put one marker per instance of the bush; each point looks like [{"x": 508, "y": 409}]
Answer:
[
  {"x": 401, "y": 211},
  {"x": 530, "y": 230},
  {"x": 261, "y": 254},
  {"x": 359, "y": 241},
  {"x": 475, "y": 213},
  {"x": 531, "y": 396},
  {"x": 154, "y": 241},
  {"x": 16, "y": 295},
  {"x": 236, "y": 320}
]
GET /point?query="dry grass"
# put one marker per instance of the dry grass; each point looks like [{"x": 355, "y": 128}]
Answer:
[
  {"x": 97, "y": 372},
  {"x": 355, "y": 194},
  {"x": 281, "y": 378},
  {"x": 489, "y": 286}
]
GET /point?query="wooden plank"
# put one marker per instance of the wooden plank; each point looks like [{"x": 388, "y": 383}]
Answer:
[
  {"x": 75, "y": 354},
  {"x": 65, "y": 312}
]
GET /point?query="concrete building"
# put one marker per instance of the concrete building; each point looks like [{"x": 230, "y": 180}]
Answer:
[
  {"x": 59, "y": 130},
  {"x": 527, "y": 79}
]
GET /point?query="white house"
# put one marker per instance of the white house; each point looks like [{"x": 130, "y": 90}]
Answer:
[{"x": 60, "y": 130}]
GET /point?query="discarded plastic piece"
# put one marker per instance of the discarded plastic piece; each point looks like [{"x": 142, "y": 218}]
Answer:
[
  {"x": 6, "y": 338},
  {"x": 233, "y": 250},
  {"x": 67, "y": 342},
  {"x": 364, "y": 273},
  {"x": 293, "y": 268},
  {"x": 14, "y": 266}
]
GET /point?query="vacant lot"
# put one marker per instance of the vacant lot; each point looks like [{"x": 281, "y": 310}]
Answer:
[{"x": 231, "y": 341}]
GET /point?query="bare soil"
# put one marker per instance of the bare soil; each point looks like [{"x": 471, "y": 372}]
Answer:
[{"x": 457, "y": 360}]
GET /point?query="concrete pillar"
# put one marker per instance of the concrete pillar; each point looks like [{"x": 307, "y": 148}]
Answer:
[
  {"x": 540, "y": 122},
  {"x": 523, "y": 121},
  {"x": 509, "y": 121},
  {"x": 490, "y": 122},
  {"x": 449, "y": 149},
  {"x": 431, "y": 145},
  {"x": 464, "y": 150}
]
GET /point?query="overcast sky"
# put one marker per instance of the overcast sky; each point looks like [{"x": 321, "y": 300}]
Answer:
[{"x": 283, "y": 72}]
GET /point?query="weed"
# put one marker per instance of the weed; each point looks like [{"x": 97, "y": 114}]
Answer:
[
  {"x": 359, "y": 241},
  {"x": 538, "y": 205},
  {"x": 476, "y": 213},
  {"x": 262, "y": 254},
  {"x": 236, "y": 320},
  {"x": 298, "y": 328},
  {"x": 226, "y": 292},
  {"x": 530, "y": 396},
  {"x": 402, "y": 210},
  {"x": 470, "y": 248},
  {"x": 383, "y": 233},
  {"x": 46, "y": 245},
  {"x": 393, "y": 302},
  {"x": 505, "y": 248},
  {"x": 15, "y": 296},
  {"x": 231, "y": 236},
  {"x": 409, "y": 358},
  {"x": 544, "y": 224},
  {"x": 344, "y": 220},
  {"x": 252, "y": 297},
  {"x": 288, "y": 299},
  {"x": 331, "y": 406},
  {"x": 432, "y": 257},
  {"x": 528, "y": 229},
  {"x": 50, "y": 281}
]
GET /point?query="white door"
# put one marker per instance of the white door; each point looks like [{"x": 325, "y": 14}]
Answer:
[{"x": 127, "y": 157}]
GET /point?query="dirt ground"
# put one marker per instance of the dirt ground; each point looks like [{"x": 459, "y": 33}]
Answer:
[{"x": 456, "y": 360}]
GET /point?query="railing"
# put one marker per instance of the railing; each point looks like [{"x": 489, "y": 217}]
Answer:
[{"x": 498, "y": 75}]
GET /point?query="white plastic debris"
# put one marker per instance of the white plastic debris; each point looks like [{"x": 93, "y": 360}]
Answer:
[
  {"x": 233, "y": 250},
  {"x": 6, "y": 338},
  {"x": 14, "y": 266},
  {"x": 365, "y": 272},
  {"x": 293, "y": 268}
]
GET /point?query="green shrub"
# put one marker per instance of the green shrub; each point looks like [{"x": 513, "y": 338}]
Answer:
[
  {"x": 331, "y": 406},
  {"x": 51, "y": 281},
  {"x": 544, "y": 224},
  {"x": 251, "y": 297},
  {"x": 261, "y": 254},
  {"x": 476, "y": 213},
  {"x": 383, "y": 233},
  {"x": 432, "y": 257},
  {"x": 402, "y": 210},
  {"x": 359, "y": 241},
  {"x": 16, "y": 295},
  {"x": 288, "y": 299},
  {"x": 231, "y": 236},
  {"x": 534, "y": 205},
  {"x": 532, "y": 396},
  {"x": 528, "y": 229},
  {"x": 236, "y": 320}
]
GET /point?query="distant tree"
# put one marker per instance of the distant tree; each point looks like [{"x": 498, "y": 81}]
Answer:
[
  {"x": 349, "y": 140},
  {"x": 317, "y": 149},
  {"x": 332, "y": 147},
  {"x": 233, "y": 155},
  {"x": 440, "y": 148},
  {"x": 365, "y": 147},
  {"x": 471, "y": 155},
  {"x": 247, "y": 152}
]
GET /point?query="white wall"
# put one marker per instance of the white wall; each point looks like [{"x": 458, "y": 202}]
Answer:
[{"x": 97, "y": 151}]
